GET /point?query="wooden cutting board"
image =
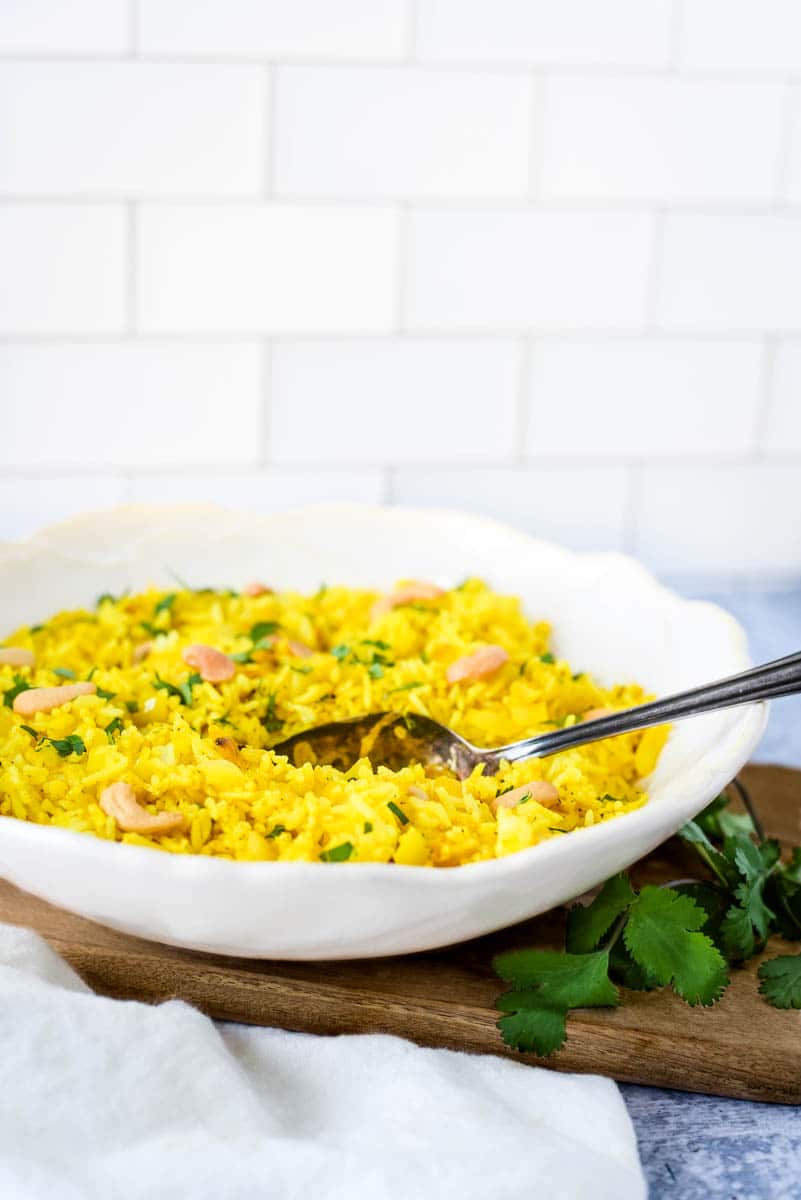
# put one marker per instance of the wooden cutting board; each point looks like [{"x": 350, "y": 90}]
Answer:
[{"x": 742, "y": 1047}]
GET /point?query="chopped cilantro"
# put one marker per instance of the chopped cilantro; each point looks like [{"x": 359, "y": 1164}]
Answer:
[
  {"x": 523, "y": 799},
  {"x": 406, "y": 687},
  {"x": 115, "y": 726},
  {"x": 182, "y": 690},
  {"x": 64, "y": 672},
  {"x": 399, "y": 813},
  {"x": 104, "y": 695},
  {"x": 547, "y": 658},
  {"x": 165, "y": 603},
  {"x": 302, "y": 670},
  {"x": 132, "y": 706},
  {"x": 271, "y": 722},
  {"x": 106, "y": 598},
  {"x": 64, "y": 747},
  {"x": 368, "y": 826},
  {"x": 37, "y": 628},
  {"x": 375, "y": 670},
  {"x": 341, "y": 652},
  {"x": 379, "y": 645},
  {"x": 32, "y": 732},
  {"x": 19, "y": 685},
  {"x": 339, "y": 853},
  {"x": 276, "y": 831},
  {"x": 261, "y": 630},
  {"x": 260, "y": 639}
]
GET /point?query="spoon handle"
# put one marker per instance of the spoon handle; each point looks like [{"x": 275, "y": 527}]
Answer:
[{"x": 779, "y": 678}]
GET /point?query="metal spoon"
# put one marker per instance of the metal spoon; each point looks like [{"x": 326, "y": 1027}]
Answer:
[{"x": 397, "y": 739}]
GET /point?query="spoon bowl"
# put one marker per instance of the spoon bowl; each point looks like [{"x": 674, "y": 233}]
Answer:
[{"x": 395, "y": 740}]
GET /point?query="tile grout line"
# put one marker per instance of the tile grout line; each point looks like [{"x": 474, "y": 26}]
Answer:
[
  {"x": 788, "y": 139},
  {"x": 403, "y": 268},
  {"x": 654, "y": 277},
  {"x": 265, "y": 407},
  {"x": 523, "y": 415},
  {"x": 133, "y": 28},
  {"x": 412, "y": 18},
  {"x": 676, "y": 37},
  {"x": 634, "y": 492},
  {"x": 538, "y": 100},
  {"x": 464, "y": 467},
  {"x": 765, "y": 394},
  {"x": 399, "y": 62},
  {"x": 459, "y": 333},
  {"x": 471, "y": 205},
  {"x": 132, "y": 264},
  {"x": 269, "y": 111}
]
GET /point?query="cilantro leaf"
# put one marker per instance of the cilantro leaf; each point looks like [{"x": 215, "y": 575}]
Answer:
[
  {"x": 662, "y": 936},
  {"x": 624, "y": 970},
  {"x": 64, "y": 747},
  {"x": 165, "y": 603},
  {"x": 271, "y": 721},
  {"x": 717, "y": 822},
  {"x": 115, "y": 726},
  {"x": 276, "y": 830},
  {"x": 19, "y": 685},
  {"x": 182, "y": 690},
  {"x": 586, "y": 925},
  {"x": 547, "y": 658},
  {"x": 780, "y": 981},
  {"x": 339, "y": 853},
  {"x": 405, "y": 687},
  {"x": 754, "y": 864},
  {"x": 262, "y": 630},
  {"x": 64, "y": 672},
  {"x": 104, "y": 695},
  {"x": 340, "y": 652},
  {"x": 399, "y": 813},
  {"x": 719, "y": 864},
  {"x": 737, "y": 934},
  {"x": 547, "y": 984}
]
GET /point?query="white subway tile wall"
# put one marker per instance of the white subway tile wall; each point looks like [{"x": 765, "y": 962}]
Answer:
[{"x": 536, "y": 260}]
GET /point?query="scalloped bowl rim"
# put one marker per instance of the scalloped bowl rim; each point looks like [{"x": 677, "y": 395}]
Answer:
[{"x": 218, "y": 873}]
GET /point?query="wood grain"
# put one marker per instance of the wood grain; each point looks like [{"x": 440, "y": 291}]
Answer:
[{"x": 742, "y": 1047}]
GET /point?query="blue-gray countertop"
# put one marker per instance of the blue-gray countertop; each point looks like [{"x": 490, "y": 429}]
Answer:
[{"x": 702, "y": 1147}]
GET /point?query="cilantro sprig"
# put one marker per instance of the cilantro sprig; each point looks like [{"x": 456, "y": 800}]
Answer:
[
  {"x": 182, "y": 690},
  {"x": 685, "y": 935},
  {"x": 64, "y": 747},
  {"x": 376, "y": 659},
  {"x": 260, "y": 636}
]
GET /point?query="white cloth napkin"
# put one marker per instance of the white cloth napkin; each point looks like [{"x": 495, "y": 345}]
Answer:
[{"x": 120, "y": 1100}]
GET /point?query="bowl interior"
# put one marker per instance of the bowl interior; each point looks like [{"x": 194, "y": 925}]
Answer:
[{"x": 609, "y": 617}]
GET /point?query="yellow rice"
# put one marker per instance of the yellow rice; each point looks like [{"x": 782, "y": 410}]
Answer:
[{"x": 266, "y": 808}]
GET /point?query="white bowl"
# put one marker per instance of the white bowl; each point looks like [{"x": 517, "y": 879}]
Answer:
[{"x": 609, "y": 617}]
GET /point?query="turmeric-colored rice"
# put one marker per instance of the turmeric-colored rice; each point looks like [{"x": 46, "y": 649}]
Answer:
[{"x": 240, "y": 801}]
